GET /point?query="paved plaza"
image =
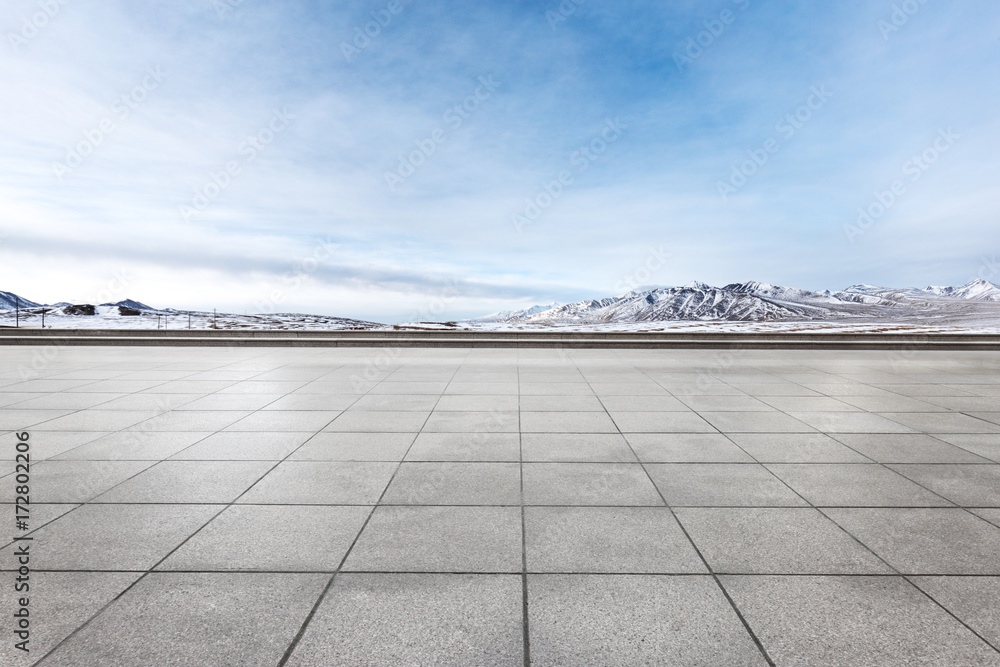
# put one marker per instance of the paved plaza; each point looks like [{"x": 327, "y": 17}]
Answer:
[{"x": 381, "y": 506}]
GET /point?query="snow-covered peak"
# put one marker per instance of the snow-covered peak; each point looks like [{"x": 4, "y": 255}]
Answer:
[
  {"x": 130, "y": 303},
  {"x": 11, "y": 301},
  {"x": 510, "y": 315},
  {"x": 976, "y": 290}
]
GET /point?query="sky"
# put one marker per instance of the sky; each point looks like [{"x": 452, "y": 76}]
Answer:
[{"x": 408, "y": 160}]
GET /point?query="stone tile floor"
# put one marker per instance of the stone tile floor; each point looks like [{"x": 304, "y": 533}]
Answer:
[{"x": 267, "y": 506}]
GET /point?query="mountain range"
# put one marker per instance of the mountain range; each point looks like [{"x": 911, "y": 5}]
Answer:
[
  {"x": 975, "y": 303},
  {"x": 762, "y": 302},
  {"x": 10, "y": 301}
]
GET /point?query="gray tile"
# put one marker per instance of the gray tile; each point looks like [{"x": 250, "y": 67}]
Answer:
[
  {"x": 991, "y": 515},
  {"x": 308, "y": 421},
  {"x": 354, "y": 447},
  {"x": 84, "y": 420},
  {"x": 657, "y": 403},
  {"x": 847, "y": 621},
  {"x": 686, "y": 448},
  {"x": 721, "y": 484},
  {"x": 262, "y": 387},
  {"x": 972, "y": 599},
  {"x": 809, "y": 404},
  {"x": 632, "y": 620},
  {"x": 545, "y": 403},
  {"x": 567, "y": 422},
  {"x": 320, "y": 402},
  {"x": 854, "y": 485},
  {"x": 439, "y": 539},
  {"x": 726, "y": 404},
  {"x": 191, "y": 420},
  {"x": 63, "y": 401},
  {"x": 409, "y": 388},
  {"x": 925, "y": 541},
  {"x": 576, "y": 447},
  {"x": 47, "y": 385},
  {"x": 188, "y": 482},
  {"x": 378, "y": 422},
  {"x": 555, "y": 389},
  {"x": 480, "y": 446},
  {"x": 397, "y": 403},
  {"x": 482, "y": 388},
  {"x": 471, "y": 422},
  {"x": 65, "y": 600},
  {"x": 756, "y": 422},
  {"x": 49, "y": 444},
  {"x": 455, "y": 483},
  {"x": 891, "y": 404},
  {"x": 156, "y": 402},
  {"x": 943, "y": 422},
  {"x": 628, "y": 388},
  {"x": 125, "y": 387},
  {"x": 396, "y": 619},
  {"x": 770, "y": 540},
  {"x": 796, "y": 448},
  {"x": 197, "y": 618},
  {"x": 201, "y": 387},
  {"x": 134, "y": 446},
  {"x": 661, "y": 422},
  {"x": 244, "y": 446},
  {"x": 231, "y": 402},
  {"x": 588, "y": 484},
  {"x": 907, "y": 448},
  {"x": 992, "y": 417},
  {"x": 292, "y": 538},
  {"x": 476, "y": 402},
  {"x": 322, "y": 483},
  {"x": 38, "y": 515},
  {"x": 115, "y": 537},
  {"x": 73, "y": 481},
  {"x": 851, "y": 422},
  {"x": 964, "y": 485},
  {"x": 986, "y": 445},
  {"x": 608, "y": 540},
  {"x": 846, "y": 389}
]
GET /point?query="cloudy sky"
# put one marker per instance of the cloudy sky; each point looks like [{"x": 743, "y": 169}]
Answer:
[{"x": 416, "y": 159}]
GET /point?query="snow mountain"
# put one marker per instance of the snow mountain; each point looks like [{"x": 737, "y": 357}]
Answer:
[
  {"x": 11, "y": 301},
  {"x": 130, "y": 303},
  {"x": 763, "y": 302},
  {"x": 977, "y": 290}
]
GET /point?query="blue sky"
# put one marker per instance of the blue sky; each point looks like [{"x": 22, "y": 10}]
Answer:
[{"x": 465, "y": 157}]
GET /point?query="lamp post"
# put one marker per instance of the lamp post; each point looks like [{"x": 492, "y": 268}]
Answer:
[
  {"x": 44, "y": 310},
  {"x": 17, "y": 311}
]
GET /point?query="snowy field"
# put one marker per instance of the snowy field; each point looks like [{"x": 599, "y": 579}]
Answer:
[{"x": 108, "y": 317}]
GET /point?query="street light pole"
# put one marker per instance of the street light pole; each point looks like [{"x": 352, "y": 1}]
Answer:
[{"x": 17, "y": 311}]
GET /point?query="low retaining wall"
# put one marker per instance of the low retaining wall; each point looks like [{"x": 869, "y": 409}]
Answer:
[{"x": 536, "y": 339}]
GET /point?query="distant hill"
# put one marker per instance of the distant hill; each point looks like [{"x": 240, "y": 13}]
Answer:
[
  {"x": 9, "y": 301},
  {"x": 762, "y": 302}
]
